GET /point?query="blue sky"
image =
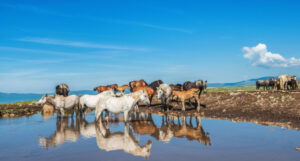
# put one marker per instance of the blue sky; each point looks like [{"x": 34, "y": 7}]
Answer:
[{"x": 88, "y": 43}]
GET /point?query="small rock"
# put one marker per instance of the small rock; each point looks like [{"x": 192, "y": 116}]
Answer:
[{"x": 11, "y": 115}]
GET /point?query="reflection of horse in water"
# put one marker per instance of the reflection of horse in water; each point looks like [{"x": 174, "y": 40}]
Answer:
[
  {"x": 120, "y": 141},
  {"x": 169, "y": 129},
  {"x": 64, "y": 132},
  {"x": 187, "y": 130}
]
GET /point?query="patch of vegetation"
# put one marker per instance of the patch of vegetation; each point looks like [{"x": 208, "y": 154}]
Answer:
[
  {"x": 22, "y": 103},
  {"x": 231, "y": 89}
]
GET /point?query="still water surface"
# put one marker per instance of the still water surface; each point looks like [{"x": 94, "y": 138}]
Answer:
[{"x": 148, "y": 137}]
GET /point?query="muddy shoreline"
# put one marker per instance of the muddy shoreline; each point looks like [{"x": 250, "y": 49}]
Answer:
[
  {"x": 11, "y": 110},
  {"x": 277, "y": 108}
]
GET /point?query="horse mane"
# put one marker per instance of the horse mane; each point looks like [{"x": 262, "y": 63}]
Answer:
[
  {"x": 95, "y": 89},
  {"x": 144, "y": 81}
]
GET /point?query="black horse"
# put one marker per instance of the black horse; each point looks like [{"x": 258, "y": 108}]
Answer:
[
  {"x": 156, "y": 84},
  {"x": 262, "y": 83},
  {"x": 292, "y": 84}
]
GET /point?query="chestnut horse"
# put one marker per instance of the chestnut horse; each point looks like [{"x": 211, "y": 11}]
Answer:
[
  {"x": 122, "y": 88},
  {"x": 105, "y": 88},
  {"x": 187, "y": 95},
  {"x": 149, "y": 91},
  {"x": 135, "y": 84}
]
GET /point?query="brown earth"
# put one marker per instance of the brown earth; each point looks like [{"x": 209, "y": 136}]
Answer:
[
  {"x": 278, "y": 108},
  {"x": 10, "y": 110}
]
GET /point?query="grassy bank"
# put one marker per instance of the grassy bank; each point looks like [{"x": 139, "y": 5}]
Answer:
[
  {"x": 21, "y": 103},
  {"x": 21, "y": 108},
  {"x": 231, "y": 89}
]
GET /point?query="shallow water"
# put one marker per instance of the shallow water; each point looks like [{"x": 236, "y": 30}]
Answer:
[{"x": 147, "y": 137}]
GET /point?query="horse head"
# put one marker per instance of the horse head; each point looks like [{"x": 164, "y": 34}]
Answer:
[
  {"x": 42, "y": 100},
  {"x": 144, "y": 96},
  {"x": 146, "y": 149},
  {"x": 159, "y": 92}
]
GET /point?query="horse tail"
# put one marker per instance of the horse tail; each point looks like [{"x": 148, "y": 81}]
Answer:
[{"x": 130, "y": 86}]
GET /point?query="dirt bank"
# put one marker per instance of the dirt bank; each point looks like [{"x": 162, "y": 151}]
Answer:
[
  {"x": 11, "y": 110},
  {"x": 278, "y": 108}
]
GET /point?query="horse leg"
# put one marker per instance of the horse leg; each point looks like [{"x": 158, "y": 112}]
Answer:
[
  {"x": 198, "y": 104},
  {"x": 98, "y": 114},
  {"x": 199, "y": 94},
  {"x": 151, "y": 97},
  {"x": 183, "y": 105},
  {"x": 62, "y": 112},
  {"x": 167, "y": 103},
  {"x": 125, "y": 116}
]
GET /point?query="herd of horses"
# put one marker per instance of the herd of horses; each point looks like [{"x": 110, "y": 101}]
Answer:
[
  {"x": 283, "y": 82},
  {"x": 111, "y": 98}
]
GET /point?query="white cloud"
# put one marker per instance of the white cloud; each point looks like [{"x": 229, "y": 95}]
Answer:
[
  {"x": 260, "y": 56},
  {"x": 78, "y": 44}
]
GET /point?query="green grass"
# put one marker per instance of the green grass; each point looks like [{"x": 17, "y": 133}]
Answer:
[
  {"x": 22, "y": 103},
  {"x": 231, "y": 89}
]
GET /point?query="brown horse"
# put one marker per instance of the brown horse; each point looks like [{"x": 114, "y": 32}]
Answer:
[
  {"x": 135, "y": 84},
  {"x": 105, "y": 88},
  {"x": 122, "y": 88},
  {"x": 149, "y": 91},
  {"x": 188, "y": 131},
  {"x": 187, "y": 95}
]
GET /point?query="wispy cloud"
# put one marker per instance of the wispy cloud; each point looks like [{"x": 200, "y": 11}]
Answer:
[
  {"x": 148, "y": 25},
  {"x": 260, "y": 56},
  {"x": 20, "y": 73},
  {"x": 40, "y": 10},
  {"x": 166, "y": 28},
  {"x": 80, "y": 44},
  {"x": 37, "y": 51}
]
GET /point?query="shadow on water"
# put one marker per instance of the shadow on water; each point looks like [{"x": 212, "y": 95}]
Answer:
[{"x": 70, "y": 130}]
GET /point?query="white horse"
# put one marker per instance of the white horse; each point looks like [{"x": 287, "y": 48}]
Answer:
[
  {"x": 90, "y": 101},
  {"x": 124, "y": 103},
  {"x": 120, "y": 141},
  {"x": 64, "y": 132},
  {"x": 61, "y": 103},
  {"x": 164, "y": 92}
]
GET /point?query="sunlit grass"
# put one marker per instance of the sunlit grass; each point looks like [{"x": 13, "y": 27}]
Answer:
[
  {"x": 22, "y": 103},
  {"x": 231, "y": 89}
]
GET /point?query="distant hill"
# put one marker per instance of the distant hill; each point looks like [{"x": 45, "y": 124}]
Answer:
[{"x": 241, "y": 83}]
